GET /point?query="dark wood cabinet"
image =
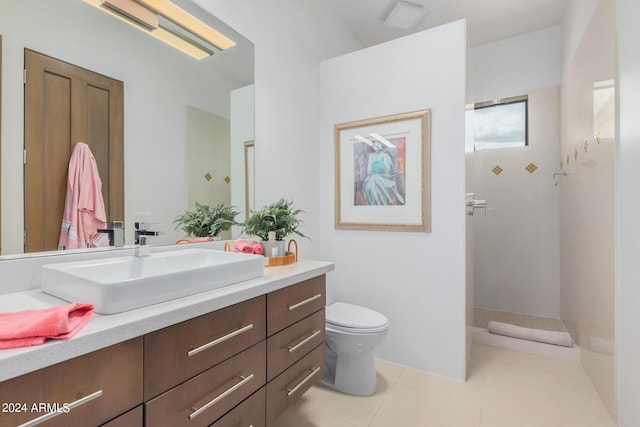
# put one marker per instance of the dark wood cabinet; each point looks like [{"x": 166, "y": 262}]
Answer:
[
  {"x": 291, "y": 344},
  {"x": 88, "y": 390},
  {"x": 208, "y": 396},
  {"x": 287, "y": 388},
  {"x": 179, "y": 352},
  {"x": 295, "y": 343},
  {"x": 242, "y": 365},
  {"x": 248, "y": 413},
  {"x": 293, "y": 303},
  {"x": 133, "y": 418}
]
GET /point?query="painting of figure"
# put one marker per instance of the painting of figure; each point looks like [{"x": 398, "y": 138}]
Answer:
[{"x": 379, "y": 172}]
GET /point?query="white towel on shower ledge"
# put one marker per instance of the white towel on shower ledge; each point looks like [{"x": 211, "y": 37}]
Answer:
[{"x": 538, "y": 335}]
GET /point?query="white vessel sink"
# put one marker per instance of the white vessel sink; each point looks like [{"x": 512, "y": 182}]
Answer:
[{"x": 124, "y": 283}]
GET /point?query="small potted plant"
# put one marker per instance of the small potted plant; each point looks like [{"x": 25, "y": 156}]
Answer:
[
  {"x": 272, "y": 224},
  {"x": 207, "y": 221}
]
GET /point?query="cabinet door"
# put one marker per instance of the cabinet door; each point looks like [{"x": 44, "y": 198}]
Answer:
[
  {"x": 175, "y": 354},
  {"x": 133, "y": 418},
  {"x": 208, "y": 396},
  {"x": 248, "y": 413},
  {"x": 287, "y": 388},
  {"x": 293, "y": 303},
  {"x": 86, "y": 391},
  {"x": 291, "y": 344}
]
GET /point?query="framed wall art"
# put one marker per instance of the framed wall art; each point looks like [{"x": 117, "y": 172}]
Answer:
[{"x": 383, "y": 172}]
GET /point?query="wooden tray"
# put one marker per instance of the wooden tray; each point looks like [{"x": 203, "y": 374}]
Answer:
[{"x": 289, "y": 257}]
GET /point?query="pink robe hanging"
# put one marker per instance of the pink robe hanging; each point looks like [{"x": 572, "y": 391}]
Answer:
[{"x": 84, "y": 210}]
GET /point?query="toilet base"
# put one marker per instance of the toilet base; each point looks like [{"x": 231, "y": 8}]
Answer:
[{"x": 351, "y": 372}]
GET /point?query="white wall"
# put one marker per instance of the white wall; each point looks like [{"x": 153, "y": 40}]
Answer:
[
  {"x": 516, "y": 256},
  {"x": 515, "y": 65},
  {"x": 628, "y": 212},
  {"x": 416, "y": 279},
  {"x": 288, "y": 48}
]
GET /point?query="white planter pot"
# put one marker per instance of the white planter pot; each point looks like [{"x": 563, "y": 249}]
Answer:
[{"x": 273, "y": 248}]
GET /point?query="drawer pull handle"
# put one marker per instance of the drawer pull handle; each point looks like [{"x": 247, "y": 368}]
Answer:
[
  {"x": 301, "y": 303},
  {"x": 71, "y": 405},
  {"x": 220, "y": 397},
  {"x": 290, "y": 391},
  {"x": 304, "y": 341},
  {"x": 219, "y": 340}
]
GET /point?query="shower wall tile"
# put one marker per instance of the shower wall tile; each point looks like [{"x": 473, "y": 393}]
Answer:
[
  {"x": 516, "y": 253},
  {"x": 587, "y": 272}
]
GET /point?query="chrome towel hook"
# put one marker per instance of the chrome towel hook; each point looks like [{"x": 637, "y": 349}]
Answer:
[{"x": 562, "y": 173}]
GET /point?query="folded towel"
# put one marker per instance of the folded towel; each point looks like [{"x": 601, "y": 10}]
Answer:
[
  {"x": 241, "y": 245},
  {"x": 247, "y": 247},
  {"x": 548, "y": 337},
  {"x": 34, "y": 327},
  {"x": 257, "y": 248}
]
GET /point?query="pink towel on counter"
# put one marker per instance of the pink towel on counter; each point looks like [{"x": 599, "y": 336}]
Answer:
[
  {"x": 257, "y": 248},
  {"x": 247, "y": 247},
  {"x": 34, "y": 327},
  {"x": 84, "y": 211}
]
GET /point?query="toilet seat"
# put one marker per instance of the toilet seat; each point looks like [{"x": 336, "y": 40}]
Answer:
[{"x": 355, "y": 319}]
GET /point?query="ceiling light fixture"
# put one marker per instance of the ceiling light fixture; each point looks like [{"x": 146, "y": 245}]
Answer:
[
  {"x": 405, "y": 15},
  {"x": 133, "y": 11},
  {"x": 180, "y": 29},
  {"x": 182, "y": 18}
]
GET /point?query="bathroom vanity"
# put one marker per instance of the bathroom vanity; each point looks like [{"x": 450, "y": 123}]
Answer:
[{"x": 234, "y": 356}]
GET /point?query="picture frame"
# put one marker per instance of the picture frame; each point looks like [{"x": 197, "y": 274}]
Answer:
[{"x": 382, "y": 173}]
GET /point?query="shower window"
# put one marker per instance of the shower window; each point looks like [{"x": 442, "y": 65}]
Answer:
[{"x": 495, "y": 124}]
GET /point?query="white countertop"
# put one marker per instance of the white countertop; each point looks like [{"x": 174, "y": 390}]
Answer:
[{"x": 104, "y": 330}]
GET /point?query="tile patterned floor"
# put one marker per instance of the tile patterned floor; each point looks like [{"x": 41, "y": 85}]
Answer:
[{"x": 505, "y": 388}]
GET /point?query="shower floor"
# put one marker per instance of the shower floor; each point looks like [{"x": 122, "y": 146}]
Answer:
[
  {"x": 481, "y": 335},
  {"x": 481, "y": 318}
]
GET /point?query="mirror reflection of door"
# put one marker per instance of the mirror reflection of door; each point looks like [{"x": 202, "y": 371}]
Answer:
[{"x": 66, "y": 104}]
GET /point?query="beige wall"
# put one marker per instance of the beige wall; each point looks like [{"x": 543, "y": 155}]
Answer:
[{"x": 587, "y": 242}]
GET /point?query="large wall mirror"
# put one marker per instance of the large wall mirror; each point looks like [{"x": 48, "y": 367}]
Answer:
[{"x": 185, "y": 121}]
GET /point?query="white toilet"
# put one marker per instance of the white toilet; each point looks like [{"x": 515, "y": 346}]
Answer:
[{"x": 352, "y": 333}]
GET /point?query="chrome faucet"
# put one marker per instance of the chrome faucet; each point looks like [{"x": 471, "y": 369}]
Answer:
[
  {"x": 142, "y": 248},
  {"x": 115, "y": 232},
  {"x": 141, "y": 238}
]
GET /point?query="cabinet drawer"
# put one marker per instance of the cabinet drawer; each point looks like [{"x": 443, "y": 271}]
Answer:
[
  {"x": 289, "y": 345},
  {"x": 133, "y": 418},
  {"x": 177, "y": 353},
  {"x": 288, "y": 305},
  {"x": 87, "y": 391},
  {"x": 248, "y": 413},
  {"x": 286, "y": 388},
  {"x": 206, "y": 397}
]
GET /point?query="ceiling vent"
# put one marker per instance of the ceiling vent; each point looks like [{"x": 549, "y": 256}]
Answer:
[{"x": 405, "y": 15}]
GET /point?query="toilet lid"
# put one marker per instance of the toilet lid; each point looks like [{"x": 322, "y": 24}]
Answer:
[{"x": 354, "y": 316}]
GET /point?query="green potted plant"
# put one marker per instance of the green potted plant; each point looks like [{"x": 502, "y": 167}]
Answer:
[
  {"x": 272, "y": 224},
  {"x": 207, "y": 221}
]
